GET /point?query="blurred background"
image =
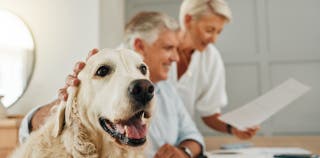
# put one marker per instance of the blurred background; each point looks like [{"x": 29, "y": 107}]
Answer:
[{"x": 267, "y": 42}]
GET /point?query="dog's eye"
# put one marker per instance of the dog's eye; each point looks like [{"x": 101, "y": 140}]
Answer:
[
  {"x": 143, "y": 69},
  {"x": 103, "y": 71}
]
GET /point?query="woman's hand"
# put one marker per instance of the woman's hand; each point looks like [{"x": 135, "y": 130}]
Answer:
[{"x": 247, "y": 134}]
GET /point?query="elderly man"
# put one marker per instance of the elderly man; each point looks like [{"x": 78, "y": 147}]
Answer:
[{"x": 172, "y": 131}]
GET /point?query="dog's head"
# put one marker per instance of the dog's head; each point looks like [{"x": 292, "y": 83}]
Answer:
[{"x": 115, "y": 97}]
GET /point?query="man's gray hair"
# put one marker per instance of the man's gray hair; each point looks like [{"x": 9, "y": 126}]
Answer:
[
  {"x": 197, "y": 8},
  {"x": 147, "y": 26}
]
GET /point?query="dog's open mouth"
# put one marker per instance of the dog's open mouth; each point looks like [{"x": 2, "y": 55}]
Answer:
[{"x": 131, "y": 132}]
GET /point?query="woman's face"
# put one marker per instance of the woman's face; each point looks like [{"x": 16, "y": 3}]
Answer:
[{"x": 204, "y": 30}]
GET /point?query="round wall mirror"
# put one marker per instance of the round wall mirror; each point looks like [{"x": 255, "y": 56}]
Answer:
[{"x": 17, "y": 55}]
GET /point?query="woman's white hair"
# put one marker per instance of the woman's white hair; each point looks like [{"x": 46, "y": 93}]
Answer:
[
  {"x": 147, "y": 26},
  {"x": 197, "y": 8}
]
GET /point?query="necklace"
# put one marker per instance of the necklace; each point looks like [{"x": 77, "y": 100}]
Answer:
[{"x": 184, "y": 61}]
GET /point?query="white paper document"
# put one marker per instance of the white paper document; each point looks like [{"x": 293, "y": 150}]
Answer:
[
  {"x": 256, "y": 152},
  {"x": 260, "y": 109}
]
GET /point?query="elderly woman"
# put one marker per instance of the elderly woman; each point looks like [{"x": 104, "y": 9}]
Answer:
[{"x": 199, "y": 76}]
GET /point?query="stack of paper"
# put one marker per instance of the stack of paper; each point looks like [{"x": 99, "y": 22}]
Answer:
[{"x": 256, "y": 152}]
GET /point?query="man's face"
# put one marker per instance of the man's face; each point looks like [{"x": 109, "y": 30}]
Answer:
[
  {"x": 160, "y": 54},
  {"x": 205, "y": 30}
]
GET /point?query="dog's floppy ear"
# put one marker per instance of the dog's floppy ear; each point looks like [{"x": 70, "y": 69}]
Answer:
[{"x": 64, "y": 112}]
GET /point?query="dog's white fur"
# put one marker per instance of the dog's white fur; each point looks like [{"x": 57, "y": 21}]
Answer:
[{"x": 73, "y": 129}]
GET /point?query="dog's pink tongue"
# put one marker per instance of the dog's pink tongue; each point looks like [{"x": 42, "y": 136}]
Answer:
[{"x": 136, "y": 130}]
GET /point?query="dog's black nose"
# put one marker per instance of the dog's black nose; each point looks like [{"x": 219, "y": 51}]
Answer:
[{"x": 141, "y": 91}]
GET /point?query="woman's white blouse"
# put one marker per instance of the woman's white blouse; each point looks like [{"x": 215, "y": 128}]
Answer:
[{"x": 202, "y": 86}]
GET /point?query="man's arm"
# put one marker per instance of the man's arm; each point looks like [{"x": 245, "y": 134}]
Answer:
[
  {"x": 189, "y": 136},
  {"x": 41, "y": 114},
  {"x": 36, "y": 117},
  {"x": 31, "y": 122},
  {"x": 214, "y": 122},
  {"x": 193, "y": 146}
]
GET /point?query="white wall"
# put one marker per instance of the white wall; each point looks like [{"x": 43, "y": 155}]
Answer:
[
  {"x": 64, "y": 32},
  {"x": 111, "y": 22}
]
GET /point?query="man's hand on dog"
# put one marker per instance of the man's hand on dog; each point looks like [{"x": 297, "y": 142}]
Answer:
[
  {"x": 39, "y": 116},
  {"x": 72, "y": 79}
]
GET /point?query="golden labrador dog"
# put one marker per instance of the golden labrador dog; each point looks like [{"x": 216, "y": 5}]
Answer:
[{"x": 107, "y": 116}]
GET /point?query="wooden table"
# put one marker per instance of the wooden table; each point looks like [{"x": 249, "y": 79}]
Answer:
[
  {"x": 311, "y": 143},
  {"x": 9, "y": 128}
]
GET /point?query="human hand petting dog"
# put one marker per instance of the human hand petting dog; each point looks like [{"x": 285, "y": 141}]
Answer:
[
  {"x": 72, "y": 79},
  {"x": 41, "y": 114},
  {"x": 169, "y": 151}
]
